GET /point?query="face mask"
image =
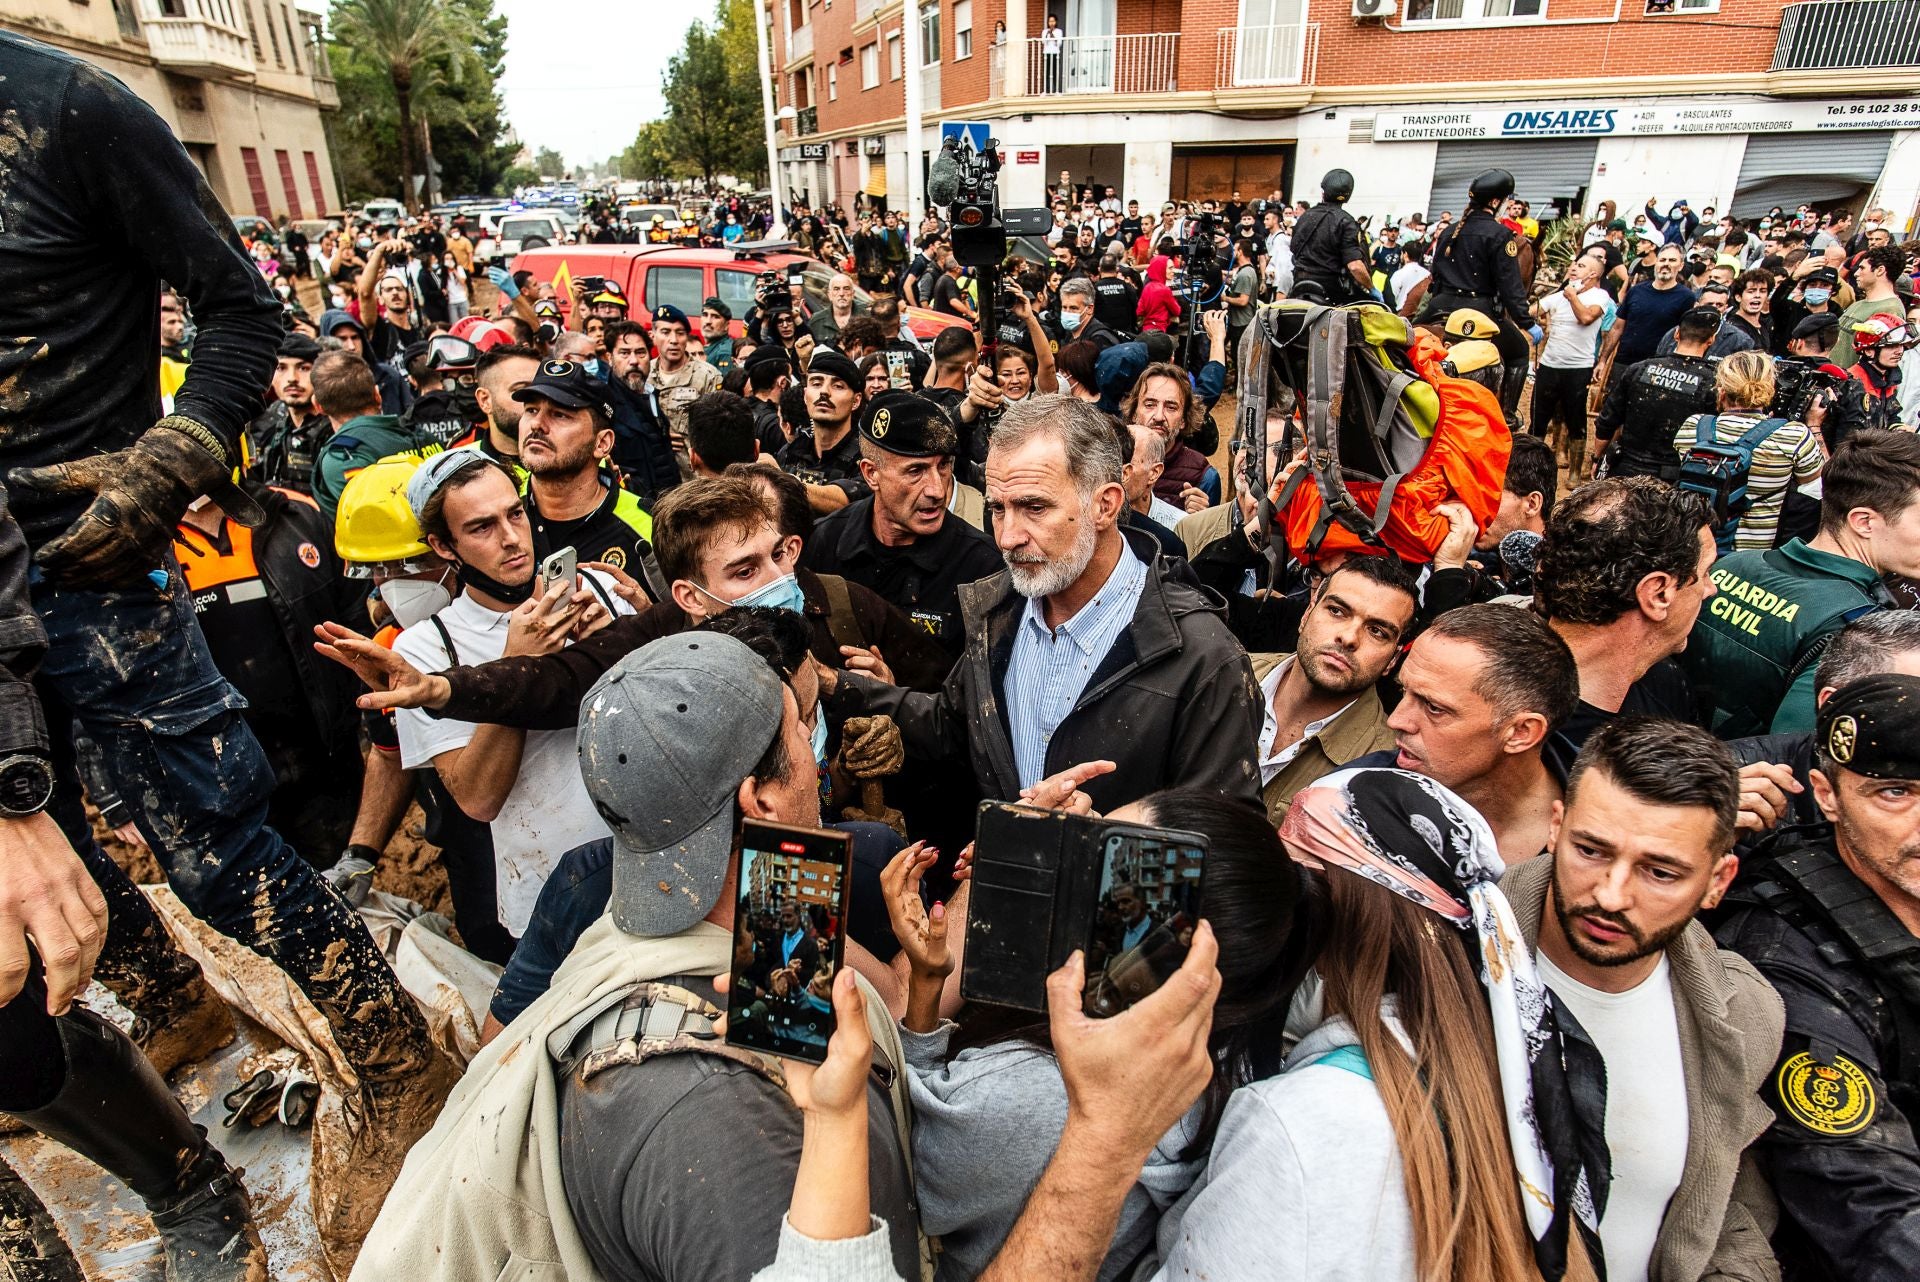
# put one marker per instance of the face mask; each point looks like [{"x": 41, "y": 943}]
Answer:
[
  {"x": 364, "y": 243},
  {"x": 782, "y": 594},
  {"x": 415, "y": 600},
  {"x": 819, "y": 734},
  {"x": 596, "y": 367},
  {"x": 1070, "y": 320},
  {"x": 472, "y": 578},
  {"x": 1817, "y": 296}
]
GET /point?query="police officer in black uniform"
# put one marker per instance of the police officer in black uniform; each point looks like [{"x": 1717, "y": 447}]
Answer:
[
  {"x": 875, "y": 541},
  {"x": 1476, "y": 263},
  {"x": 839, "y": 464},
  {"x": 1824, "y": 915},
  {"x": 1326, "y": 244}
]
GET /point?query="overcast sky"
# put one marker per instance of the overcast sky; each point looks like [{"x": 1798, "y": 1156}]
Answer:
[{"x": 583, "y": 75}]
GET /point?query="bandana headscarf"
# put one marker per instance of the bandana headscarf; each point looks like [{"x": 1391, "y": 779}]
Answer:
[{"x": 1419, "y": 840}]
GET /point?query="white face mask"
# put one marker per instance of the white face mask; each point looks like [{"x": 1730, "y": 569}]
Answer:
[{"x": 416, "y": 600}]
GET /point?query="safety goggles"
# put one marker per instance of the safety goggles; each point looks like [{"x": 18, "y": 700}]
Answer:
[
  {"x": 444, "y": 351},
  {"x": 390, "y": 569},
  {"x": 1901, "y": 336}
]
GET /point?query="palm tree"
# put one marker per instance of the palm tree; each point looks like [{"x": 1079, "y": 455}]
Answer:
[{"x": 404, "y": 36}]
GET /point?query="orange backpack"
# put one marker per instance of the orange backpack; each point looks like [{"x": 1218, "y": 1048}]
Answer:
[{"x": 1378, "y": 417}]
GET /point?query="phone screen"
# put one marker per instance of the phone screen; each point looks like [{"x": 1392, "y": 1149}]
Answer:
[
  {"x": 897, "y": 375},
  {"x": 1143, "y": 920},
  {"x": 788, "y": 938},
  {"x": 796, "y": 270}
]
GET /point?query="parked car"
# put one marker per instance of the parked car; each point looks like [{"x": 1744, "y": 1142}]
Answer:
[
  {"x": 528, "y": 229},
  {"x": 643, "y": 215},
  {"x": 655, "y": 274},
  {"x": 381, "y": 212},
  {"x": 254, "y": 227}
]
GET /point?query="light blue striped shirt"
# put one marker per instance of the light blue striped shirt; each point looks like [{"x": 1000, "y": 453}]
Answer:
[{"x": 1051, "y": 666}]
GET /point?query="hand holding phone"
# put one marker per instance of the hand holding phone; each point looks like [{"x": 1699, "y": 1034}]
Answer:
[
  {"x": 789, "y": 939},
  {"x": 562, "y": 566}
]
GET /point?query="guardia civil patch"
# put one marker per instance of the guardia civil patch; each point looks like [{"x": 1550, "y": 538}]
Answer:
[
  {"x": 1835, "y": 1099},
  {"x": 1513, "y": 248}
]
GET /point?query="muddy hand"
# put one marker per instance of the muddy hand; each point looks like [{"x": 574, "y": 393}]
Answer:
[
  {"x": 871, "y": 747},
  {"x": 138, "y": 495}
]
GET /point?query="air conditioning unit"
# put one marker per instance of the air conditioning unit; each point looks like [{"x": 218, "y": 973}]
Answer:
[{"x": 1372, "y": 10}]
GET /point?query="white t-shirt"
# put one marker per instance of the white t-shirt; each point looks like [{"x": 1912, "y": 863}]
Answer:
[
  {"x": 547, "y": 812},
  {"x": 1647, "y": 1123},
  {"x": 1403, "y": 280},
  {"x": 1571, "y": 345}
]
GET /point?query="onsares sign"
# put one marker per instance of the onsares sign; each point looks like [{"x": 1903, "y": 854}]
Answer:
[{"x": 1600, "y": 118}]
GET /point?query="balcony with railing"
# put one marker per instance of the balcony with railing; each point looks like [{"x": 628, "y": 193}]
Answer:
[
  {"x": 1259, "y": 57},
  {"x": 800, "y": 44},
  {"x": 198, "y": 37},
  {"x": 1836, "y": 35},
  {"x": 1105, "y": 64}
]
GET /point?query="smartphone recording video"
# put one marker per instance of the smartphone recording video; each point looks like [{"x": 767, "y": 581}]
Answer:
[
  {"x": 788, "y": 939},
  {"x": 1143, "y": 922}
]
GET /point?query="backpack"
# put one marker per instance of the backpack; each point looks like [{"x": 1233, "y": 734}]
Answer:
[
  {"x": 1388, "y": 435},
  {"x": 1719, "y": 473}
]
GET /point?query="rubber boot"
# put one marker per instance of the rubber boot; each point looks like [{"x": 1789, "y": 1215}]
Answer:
[{"x": 116, "y": 1111}]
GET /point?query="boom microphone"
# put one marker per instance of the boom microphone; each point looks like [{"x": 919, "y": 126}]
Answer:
[
  {"x": 1518, "y": 551},
  {"x": 943, "y": 177}
]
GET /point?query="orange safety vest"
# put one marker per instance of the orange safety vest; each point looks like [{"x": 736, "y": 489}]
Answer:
[{"x": 206, "y": 566}]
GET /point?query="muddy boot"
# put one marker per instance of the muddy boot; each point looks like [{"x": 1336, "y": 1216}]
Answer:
[
  {"x": 115, "y": 1110},
  {"x": 354, "y": 1171},
  {"x": 31, "y": 1248},
  {"x": 187, "y": 1024}
]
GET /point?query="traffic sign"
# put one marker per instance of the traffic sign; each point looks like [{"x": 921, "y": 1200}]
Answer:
[{"x": 975, "y": 131}]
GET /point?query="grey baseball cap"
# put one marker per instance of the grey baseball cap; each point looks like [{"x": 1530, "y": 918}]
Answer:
[{"x": 665, "y": 738}]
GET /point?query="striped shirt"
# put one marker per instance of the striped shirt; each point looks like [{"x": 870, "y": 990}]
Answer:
[
  {"x": 1791, "y": 456},
  {"x": 1051, "y": 666}
]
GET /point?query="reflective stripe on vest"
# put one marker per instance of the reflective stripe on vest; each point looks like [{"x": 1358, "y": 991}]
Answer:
[{"x": 206, "y": 566}]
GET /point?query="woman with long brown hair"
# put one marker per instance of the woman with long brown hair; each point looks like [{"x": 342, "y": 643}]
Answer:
[{"x": 1443, "y": 1120}]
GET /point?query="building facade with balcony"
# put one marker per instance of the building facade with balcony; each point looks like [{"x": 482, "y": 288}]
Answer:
[
  {"x": 242, "y": 83},
  {"x": 1739, "y": 104}
]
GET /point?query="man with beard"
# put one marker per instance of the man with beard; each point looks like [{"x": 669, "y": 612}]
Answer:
[
  {"x": 286, "y": 437},
  {"x": 566, "y": 432},
  {"x": 627, "y": 355},
  {"x": 1322, "y": 709},
  {"x": 1832, "y": 920},
  {"x": 498, "y": 375},
  {"x": 826, "y": 457},
  {"x": 1642, "y": 843},
  {"x": 1078, "y": 597},
  {"x": 679, "y": 377}
]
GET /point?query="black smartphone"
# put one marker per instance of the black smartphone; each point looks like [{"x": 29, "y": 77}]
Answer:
[
  {"x": 1046, "y": 882},
  {"x": 789, "y": 935},
  {"x": 796, "y": 271}
]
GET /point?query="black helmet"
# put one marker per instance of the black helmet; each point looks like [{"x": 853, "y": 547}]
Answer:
[
  {"x": 1336, "y": 185},
  {"x": 1492, "y": 185}
]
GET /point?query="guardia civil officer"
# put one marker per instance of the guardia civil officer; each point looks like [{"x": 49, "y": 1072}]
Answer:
[
  {"x": 1326, "y": 244},
  {"x": 1830, "y": 919},
  {"x": 903, "y": 541},
  {"x": 1476, "y": 263}
]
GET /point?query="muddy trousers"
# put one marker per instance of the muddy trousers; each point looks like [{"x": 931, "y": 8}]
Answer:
[{"x": 131, "y": 666}]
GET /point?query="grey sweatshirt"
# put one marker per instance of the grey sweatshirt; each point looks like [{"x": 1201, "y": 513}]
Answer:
[
  {"x": 985, "y": 1125},
  {"x": 854, "y": 1259}
]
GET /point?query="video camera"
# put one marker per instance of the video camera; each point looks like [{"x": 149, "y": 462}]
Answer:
[
  {"x": 1797, "y": 382},
  {"x": 966, "y": 182}
]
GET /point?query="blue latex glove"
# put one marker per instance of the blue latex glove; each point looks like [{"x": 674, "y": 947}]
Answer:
[
  {"x": 1535, "y": 333},
  {"x": 1379, "y": 298},
  {"x": 503, "y": 281}
]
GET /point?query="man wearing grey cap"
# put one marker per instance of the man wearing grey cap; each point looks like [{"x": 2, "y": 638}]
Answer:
[
  {"x": 1833, "y": 922},
  {"x": 672, "y": 1158}
]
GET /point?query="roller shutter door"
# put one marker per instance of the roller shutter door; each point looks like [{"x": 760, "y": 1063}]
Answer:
[
  {"x": 1544, "y": 169},
  {"x": 1808, "y": 168}
]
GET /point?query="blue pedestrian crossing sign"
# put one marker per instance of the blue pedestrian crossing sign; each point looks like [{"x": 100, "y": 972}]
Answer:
[{"x": 975, "y": 131}]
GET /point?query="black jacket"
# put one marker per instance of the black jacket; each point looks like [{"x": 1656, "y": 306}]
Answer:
[
  {"x": 99, "y": 204},
  {"x": 641, "y": 449},
  {"x": 1479, "y": 257},
  {"x": 922, "y": 579},
  {"x": 1325, "y": 239},
  {"x": 1646, "y": 406},
  {"x": 1173, "y": 703}
]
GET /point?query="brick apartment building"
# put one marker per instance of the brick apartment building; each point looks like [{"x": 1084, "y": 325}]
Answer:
[
  {"x": 242, "y": 83},
  {"x": 1730, "y": 103}
]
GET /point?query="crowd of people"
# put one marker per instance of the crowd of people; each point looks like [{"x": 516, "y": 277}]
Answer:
[{"x": 1558, "y": 916}]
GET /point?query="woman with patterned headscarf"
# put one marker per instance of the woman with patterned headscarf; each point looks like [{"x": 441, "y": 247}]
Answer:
[{"x": 1443, "y": 1119}]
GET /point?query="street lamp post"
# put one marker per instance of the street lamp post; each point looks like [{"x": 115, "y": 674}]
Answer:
[{"x": 761, "y": 43}]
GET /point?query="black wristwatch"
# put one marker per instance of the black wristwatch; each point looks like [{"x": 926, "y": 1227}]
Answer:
[{"x": 26, "y": 785}]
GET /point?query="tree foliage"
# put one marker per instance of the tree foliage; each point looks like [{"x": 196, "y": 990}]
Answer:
[
  {"x": 713, "y": 123},
  {"x": 549, "y": 163}
]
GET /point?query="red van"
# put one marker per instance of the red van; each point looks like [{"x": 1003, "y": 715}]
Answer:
[{"x": 686, "y": 278}]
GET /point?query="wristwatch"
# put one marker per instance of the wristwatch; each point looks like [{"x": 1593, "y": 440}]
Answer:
[{"x": 26, "y": 786}]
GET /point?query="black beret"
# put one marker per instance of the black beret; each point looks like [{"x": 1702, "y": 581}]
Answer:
[
  {"x": 828, "y": 360},
  {"x": 768, "y": 352},
  {"x": 902, "y": 423},
  {"x": 1872, "y": 727},
  {"x": 300, "y": 347}
]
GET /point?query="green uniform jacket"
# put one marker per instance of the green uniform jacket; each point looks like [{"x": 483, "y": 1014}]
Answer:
[
  {"x": 360, "y": 441},
  {"x": 1755, "y": 649}
]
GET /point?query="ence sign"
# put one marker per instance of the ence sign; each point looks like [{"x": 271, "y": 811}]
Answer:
[{"x": 1600, "y": 120}]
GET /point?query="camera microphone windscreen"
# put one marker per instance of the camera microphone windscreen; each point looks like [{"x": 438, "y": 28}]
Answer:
[
  {"x": 1518, "y": 551},
  {"x": 943, "y": 179}
]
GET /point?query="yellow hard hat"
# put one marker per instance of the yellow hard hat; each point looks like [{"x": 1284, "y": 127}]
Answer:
[
  {"x": 1469, "y": 355},
  {"x": 374, "y": 525}
]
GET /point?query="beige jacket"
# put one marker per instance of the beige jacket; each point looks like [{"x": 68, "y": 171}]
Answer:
[
  {"x": 1719, "y": 1221},
  {"x": 480, "y": 1196},
  {"x": 1359, "y": 730}
]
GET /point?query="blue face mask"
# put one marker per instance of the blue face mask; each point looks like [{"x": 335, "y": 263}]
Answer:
[
  {"x": 782, "y": 594},
  {"x": 595, "y": 367},
  {"x": 1817, "y": 296},
  {"x": 1070, "y": 320},
  {"x": 819, "y": 734}
]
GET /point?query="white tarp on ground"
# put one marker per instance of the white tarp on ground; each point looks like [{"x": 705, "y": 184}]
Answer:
[{"x": 106, "y": 1225}]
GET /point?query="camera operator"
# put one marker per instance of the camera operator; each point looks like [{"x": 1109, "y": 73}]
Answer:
[{"x": 1805, "y": 375}]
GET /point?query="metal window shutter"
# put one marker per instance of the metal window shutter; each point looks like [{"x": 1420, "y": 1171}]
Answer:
[
  {"x": 1808, "y": 168},
  {"x": 1543, "y": 169}
]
